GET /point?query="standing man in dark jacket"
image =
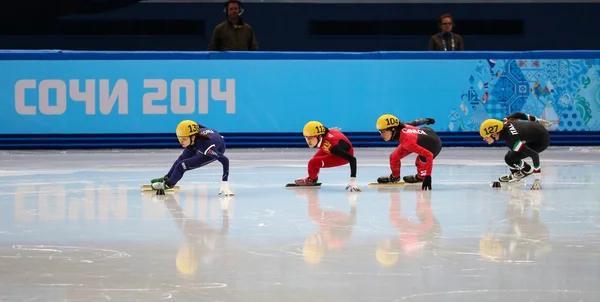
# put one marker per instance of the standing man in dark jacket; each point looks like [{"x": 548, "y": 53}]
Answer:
[
  {"x": 233, "y": 34},
  {"x": 446, "y": 40}
]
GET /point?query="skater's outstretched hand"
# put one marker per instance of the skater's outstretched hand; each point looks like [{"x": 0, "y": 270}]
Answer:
[
  {"x": 352, "y": 185},
  {"x": 426, "y": 183},
  {"x": 546, "y": 123}
]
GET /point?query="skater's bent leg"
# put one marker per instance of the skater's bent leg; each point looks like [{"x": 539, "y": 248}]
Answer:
[
  {"x": 420, "y": 162},
  {"x": 515, "y": 161},
  {"x": 326, "y": 161},
  {"x": 314, "y": 166},
  {"x": 187, "y": 164}
]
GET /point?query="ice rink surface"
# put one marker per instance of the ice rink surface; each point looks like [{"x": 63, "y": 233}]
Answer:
[{"x": 75, "y": 227}]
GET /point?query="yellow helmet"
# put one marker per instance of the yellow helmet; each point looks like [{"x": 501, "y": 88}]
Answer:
[
  {"x": 387, "y": 121},
  {"x": 187, "y": 128},
  {"x": 489, "y": 127},
  {"x": 313, "y": 128}
]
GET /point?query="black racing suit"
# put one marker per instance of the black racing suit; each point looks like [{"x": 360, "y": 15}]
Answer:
[{"x": 524, "y": 139}]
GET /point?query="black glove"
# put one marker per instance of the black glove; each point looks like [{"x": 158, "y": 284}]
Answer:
[
  {"x": 426, "y": 183},
  {"x": 430, "y": 121}
]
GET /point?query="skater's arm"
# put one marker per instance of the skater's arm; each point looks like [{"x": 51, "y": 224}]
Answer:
[
  {"x": 528, "y": 117},
  {"x": 212, "y": 152},
  {"x": 521, "y": 116},
  {"x": 339, "y": 151},
  {"x": 422, "y": 121}
]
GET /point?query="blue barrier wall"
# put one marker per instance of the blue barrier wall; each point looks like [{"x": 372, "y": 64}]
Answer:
[{"x": 66, "y": 99}]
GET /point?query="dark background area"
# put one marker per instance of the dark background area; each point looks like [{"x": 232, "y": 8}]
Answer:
[{"x": 129, "y": 25}]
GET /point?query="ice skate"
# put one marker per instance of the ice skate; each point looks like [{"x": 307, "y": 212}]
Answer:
[
  {"x": 387, "y": 179},
  {"x": 515, "y": 175},
  {"x": 305, "y": 182},
  {"x": 411, "y": 179},
  {"x": 160, "y": 186}
]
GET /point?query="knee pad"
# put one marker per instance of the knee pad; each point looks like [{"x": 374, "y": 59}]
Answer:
[{"x": 421, "y": 167}]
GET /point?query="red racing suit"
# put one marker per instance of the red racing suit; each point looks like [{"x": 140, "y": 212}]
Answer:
[
  {"x": 423, "y": 141},
  {"x": 335, "y": 149}
]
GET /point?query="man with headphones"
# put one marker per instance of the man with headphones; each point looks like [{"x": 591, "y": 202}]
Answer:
[
  {"x": 446, "y": 40},
  {"x": 233, "y": 34}
]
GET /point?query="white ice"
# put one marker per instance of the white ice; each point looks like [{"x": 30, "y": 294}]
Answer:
[{"x": 75, "y": 227}]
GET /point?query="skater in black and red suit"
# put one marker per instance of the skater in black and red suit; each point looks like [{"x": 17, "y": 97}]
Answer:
[{"x": 423, "y": 141}]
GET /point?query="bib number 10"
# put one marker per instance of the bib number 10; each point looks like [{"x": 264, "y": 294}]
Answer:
[{"x": 391, "y": 121}]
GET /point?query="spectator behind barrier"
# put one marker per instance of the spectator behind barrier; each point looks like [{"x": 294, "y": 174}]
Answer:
[
  {"x": 446, "y": 40},
  {"x": 233, "y": 34}
]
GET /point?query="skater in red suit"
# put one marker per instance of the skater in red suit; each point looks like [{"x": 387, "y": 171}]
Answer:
[
  {"x": 423, "y": 141},
  {"x": 335, "y": 150}
]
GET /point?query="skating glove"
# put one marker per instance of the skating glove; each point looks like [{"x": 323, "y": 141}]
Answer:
[
  {"x": 352, "y": 185},
  {"x": 430, "y": 121},
  {"x": 545, "y": 122},
  {"x": 426, "y": 183},
  {"x": 225, "y": 189}
]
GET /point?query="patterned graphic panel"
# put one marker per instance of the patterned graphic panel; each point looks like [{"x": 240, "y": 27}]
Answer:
[{"x": 566, "y": 92}]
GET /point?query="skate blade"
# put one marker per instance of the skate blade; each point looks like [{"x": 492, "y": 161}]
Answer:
[
  {"x": 512, "y": 183},
  {"x": 150, "y": 191},
  {"x": 293, "y": 185},
  {"x": 150, "y": 187},
  {"x": 387, "y": 185}
]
